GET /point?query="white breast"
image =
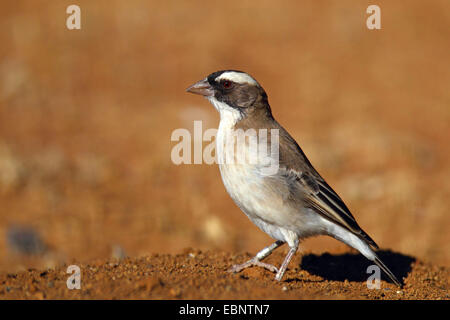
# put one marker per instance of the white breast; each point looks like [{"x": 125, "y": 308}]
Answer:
[
  {"x": 263, "y": 201},
  {"x": 242, "y": 180}
]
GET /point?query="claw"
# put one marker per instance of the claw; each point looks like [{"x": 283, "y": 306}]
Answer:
[{"x": 253, "y": 262}]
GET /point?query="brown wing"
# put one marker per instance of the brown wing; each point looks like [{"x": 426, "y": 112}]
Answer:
[
  {"x": 315, "y": 191},
  {"x": 296, "y": 168}
]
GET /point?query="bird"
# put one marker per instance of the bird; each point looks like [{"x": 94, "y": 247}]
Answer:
[{"x": 279, "y": 191}]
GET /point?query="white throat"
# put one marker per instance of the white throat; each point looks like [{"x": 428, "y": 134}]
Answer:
[
  {"x": 229, "y": 116},
  {"x": 228, "y": 119}
]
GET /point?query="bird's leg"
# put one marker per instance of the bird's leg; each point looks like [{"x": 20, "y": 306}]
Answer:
[
  {"x": 286, "y": 261},
  {"x": 256, "y": 260}
]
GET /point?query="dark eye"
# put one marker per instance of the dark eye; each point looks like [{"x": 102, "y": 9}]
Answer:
[{"x": 227, "y": 84}]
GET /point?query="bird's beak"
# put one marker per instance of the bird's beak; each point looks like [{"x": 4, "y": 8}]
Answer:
[{"x": 202, "y": 87}]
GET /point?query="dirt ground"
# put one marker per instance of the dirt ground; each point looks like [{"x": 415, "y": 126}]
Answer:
[
  {"x": 87, "y": 116},
  {"x": 202, "y": 275}
]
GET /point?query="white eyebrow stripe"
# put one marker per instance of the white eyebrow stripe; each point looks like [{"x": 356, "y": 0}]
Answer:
[{"x": 238, "y": 77}]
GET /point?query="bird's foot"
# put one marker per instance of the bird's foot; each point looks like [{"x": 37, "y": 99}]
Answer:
[
  {"x": 250, "y": 263},
  {"x": 279, "y": 276}
]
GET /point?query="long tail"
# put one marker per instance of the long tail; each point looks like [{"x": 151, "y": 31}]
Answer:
[
  {"x": 363, "y": 246},
  {"x": 387, "y": 271}
]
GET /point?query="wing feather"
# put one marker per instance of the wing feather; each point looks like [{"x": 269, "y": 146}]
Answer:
[{"x": 326, "y": 202}]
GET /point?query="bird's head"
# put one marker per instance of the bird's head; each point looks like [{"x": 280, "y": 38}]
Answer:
[{"x": 232, "y": 91}]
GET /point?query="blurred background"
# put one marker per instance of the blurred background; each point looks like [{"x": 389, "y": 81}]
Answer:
[{"x": 86, "y": 118}]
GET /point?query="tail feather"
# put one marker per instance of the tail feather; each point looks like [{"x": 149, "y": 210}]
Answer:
[
  {"x": 362, "y": 243},
  {"x": 387, "y": 271}
]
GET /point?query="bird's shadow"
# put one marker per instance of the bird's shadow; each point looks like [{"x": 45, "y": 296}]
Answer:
[{"x": 353, "y": 266}]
